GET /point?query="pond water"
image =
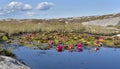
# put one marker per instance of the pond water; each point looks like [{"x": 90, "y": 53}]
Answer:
[{"x": 105, "y": 58}]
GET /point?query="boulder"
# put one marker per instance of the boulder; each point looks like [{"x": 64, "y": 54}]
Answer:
[
  {"x": 117, "y": 36},
  {"x": 11, "y": 63}
]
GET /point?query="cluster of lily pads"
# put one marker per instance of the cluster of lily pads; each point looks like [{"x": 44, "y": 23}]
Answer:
[{"x": 61, "y": 41}]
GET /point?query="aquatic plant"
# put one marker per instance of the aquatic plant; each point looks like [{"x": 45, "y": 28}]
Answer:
[
  {"x": 80, "y": 46},
  {"x": 96, "y": 49},
  {"x": 101, "y": 39},
  {"x": 4, "y": 38},
  {"x": 70, "y": 47},
  {"x": 50, "y": 42},
  {"x": 60, "y": 48},
  {"x": 6, "y": 52},
  {"x": 70, "y": 41}
]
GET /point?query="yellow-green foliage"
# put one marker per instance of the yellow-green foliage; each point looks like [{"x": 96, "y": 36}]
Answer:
[
  {"x": 5, "y": 38},
  {"x": 109, "y": 42}
]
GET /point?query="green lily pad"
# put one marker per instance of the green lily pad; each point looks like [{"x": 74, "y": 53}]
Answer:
[{"x": 5, "y": 38}]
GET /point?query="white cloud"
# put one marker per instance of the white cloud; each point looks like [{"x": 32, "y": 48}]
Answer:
[
  {"x": 27, "y": 7},
  {"x": 1, "y": 13},
  {"x": 30, "y": 13},
  {"x": 18, "y": 6},
  {"x": 15, "y": 5},
  {"x": 45, "y": 6}
]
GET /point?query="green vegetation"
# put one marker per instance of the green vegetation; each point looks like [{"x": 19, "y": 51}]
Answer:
[
  {"x": 6, "y": 52},
  {"x": 74, "y": 33},
  {"x": 46, "y": 40},
  {"x": 16, "y": 28},
  {"x": 4, "y": 38},
  {"x": 118, "y": 25}
]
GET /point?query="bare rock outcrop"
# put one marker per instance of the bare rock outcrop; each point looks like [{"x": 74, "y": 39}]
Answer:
[{"x": 10, "y": 63}]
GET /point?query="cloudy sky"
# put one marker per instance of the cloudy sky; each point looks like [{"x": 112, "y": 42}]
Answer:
[{"x": 56, "y": 8}]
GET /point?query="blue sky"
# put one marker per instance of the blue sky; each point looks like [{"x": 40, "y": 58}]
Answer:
[{"x": 56, "y": 8}]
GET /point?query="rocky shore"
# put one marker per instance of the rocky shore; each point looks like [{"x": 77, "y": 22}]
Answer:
[{"x": 11, "y": 63}]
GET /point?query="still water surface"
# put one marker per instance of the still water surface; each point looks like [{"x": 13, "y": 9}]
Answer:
[{"x": 105, "y": 58}]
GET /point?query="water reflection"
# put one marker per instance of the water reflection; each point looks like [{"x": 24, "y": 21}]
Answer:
[
  {"x": 77, "y": 58},
  {"x": 90, "y": 58},
  {"x": 80, "y": 50},
  {"x": 59, "y": 48},
  {"x": 96, "y": 49}
]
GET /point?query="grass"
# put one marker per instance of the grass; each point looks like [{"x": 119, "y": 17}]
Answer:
[
  {"x": 12, "y": 28},
  {"x": 118, "y": 25}
]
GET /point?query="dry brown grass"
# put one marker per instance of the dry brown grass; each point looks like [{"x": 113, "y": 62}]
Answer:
[{"x": 12, "y": 28}]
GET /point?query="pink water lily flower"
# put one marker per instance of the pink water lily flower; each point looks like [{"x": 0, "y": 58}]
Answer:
[
  {"x": 97, "y": 42},
  {"x": 79, "y": 46},
  {"x": 60, "y": 48}
]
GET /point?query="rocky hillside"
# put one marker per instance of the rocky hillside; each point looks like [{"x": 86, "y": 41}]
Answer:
[{"x": 104, "y": 20}]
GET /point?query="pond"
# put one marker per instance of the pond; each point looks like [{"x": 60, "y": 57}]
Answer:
[{"x": 104, "y": 58}]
